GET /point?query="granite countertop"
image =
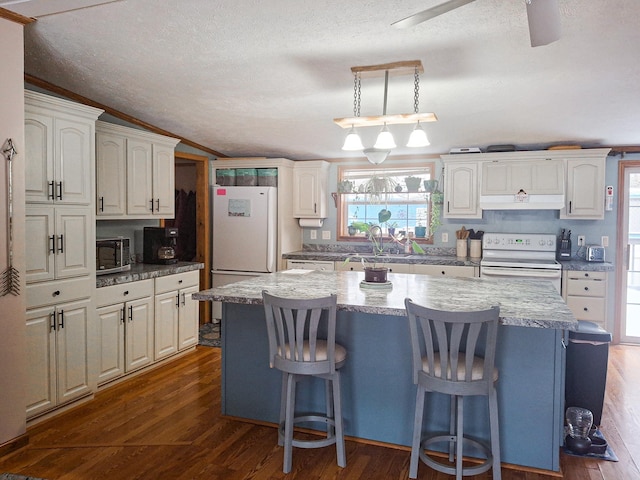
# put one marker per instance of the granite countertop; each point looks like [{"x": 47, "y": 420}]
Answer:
[
  {"x": 439, "y": 259},
  {"x": 414, "y": 258},
  {"x": 144, "y": 271},
  {"x": 526, "y": 304},
  {"x": 583, "y": 265}
]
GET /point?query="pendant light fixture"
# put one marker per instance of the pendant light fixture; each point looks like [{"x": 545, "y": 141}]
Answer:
[{"x": 385, "y": 141}]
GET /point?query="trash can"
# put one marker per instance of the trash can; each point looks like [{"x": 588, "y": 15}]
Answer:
[{"x": 586, "y": 375}]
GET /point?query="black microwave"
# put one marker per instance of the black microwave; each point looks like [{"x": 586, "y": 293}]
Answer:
[{"x": 112, "y": 255}]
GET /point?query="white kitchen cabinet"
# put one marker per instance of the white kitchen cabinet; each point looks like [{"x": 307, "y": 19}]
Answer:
[
  {"x": 135, "y": 173},
  {"x": 355, "y": 265},
  {"x": 59, "y": 333},
  {"x": 125, "y": 328},
  {"x": 461, "y": 189},
  {"x": 176, "y": 313},
  {"x": 310, "y": 189},
  {"x": 59, "y": 143},
  {"x": 544, "y": 176},
  {"x": 111, "y": 174},
  {"x": 585, "y": 293},
  {"x": 310, "y": 265},
  {"x": 61, "y": 242},
  {"x": 445, "y": 270},
  {"x": 585, "y": 188}
]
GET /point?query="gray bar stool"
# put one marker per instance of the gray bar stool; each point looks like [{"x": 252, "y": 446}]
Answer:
[
  {"x": 454, "y": 353},
  {"x": 302, "y": 343}
]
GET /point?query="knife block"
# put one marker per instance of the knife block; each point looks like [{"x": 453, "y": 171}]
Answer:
[{"x": 563, "y": 250}]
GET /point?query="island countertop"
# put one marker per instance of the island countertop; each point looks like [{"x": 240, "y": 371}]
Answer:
[{"x": 525, "y": 304}]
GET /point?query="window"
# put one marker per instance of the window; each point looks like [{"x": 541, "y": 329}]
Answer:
[{"x": 397, "y": 199}]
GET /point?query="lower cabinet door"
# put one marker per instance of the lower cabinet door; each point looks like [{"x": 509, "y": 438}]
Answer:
[
  {"x": 188, "y": 318},
  {"x": 41, "y": 389},
  {"x": 166, "y": 324},
  {"x": 111, "y": 345},
  {"x": 72, "y": 349},
  {"x": 139, "y": 333}
]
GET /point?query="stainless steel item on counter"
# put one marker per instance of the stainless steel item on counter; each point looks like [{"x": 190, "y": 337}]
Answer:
[
  {"x": 112, "y": 255},
  {"x": 595, "y": 253},
  {"x": 527, "y": 256},
  {"x": 159, "y": 245}
]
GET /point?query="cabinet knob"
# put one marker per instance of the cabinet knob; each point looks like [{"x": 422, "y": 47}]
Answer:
[
  {"x": 585, "y": 309},
  {"x": 180, "y": 281},
  {"x": 56, "y": 293},
  {"x": 442, "y": 272},
  {"x": 126, "y": 292}
]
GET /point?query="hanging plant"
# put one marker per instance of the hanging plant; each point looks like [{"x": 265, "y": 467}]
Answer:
[{"x": 437, "y": 198}]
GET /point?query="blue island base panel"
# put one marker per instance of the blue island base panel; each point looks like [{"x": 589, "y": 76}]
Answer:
[{"x": 378, "y": 392}]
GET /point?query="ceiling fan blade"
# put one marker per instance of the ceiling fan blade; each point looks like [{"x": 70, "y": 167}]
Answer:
[
  {"x": 544, "y": 21},
  {"x": 430, "y": 13}
]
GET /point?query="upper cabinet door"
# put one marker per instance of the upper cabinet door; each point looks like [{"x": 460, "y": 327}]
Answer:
[
  {"x": 139, "y": 178},
  {"x": 461, "y": 190},
  {"x": 73, "y": 162},
  {"x": 163, "y": 181},
  {"x": 310, "y": 189},
  {"x": 38, "y": 131},
  {"x": 58, "y": 160},
  {"x": 111, "y": 174},
  {"x": 585, "y": 189}
]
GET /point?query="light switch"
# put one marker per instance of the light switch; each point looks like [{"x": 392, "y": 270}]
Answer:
[
  {"x": 326, "y": 234},
  {"x": 313, "y": 235}
]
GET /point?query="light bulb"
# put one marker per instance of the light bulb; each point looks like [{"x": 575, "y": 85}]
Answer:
[
  {"x": 418, "y": 137},
  {"x": 352, "y": 141},
  {"x": 385, "y": 140}
]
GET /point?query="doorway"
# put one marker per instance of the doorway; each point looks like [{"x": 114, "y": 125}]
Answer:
[
  {"x": 193, "y": 170},
  {"x": 628, "y": 262}
]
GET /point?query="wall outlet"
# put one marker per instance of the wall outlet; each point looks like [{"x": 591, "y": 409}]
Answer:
[
  {"x": 313, "y": 235},
  {"x": 445, "y": 237},
  {"x": 326, "y": 234},
  {"x": 604, "y": 241},
  {"x": 581, "y": 240}
]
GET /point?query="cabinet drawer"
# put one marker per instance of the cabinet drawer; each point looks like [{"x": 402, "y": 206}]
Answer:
[
  {"x": 586, "y": 288},
  {"x": 123, "y": 293},
  {"x": 585, "y": 308},
  {"x": 177, "y": 281},
  {"x": 49, "y": 293},
  {"x": 577, "y": 275},
  {"x": 444, "y": 270}
]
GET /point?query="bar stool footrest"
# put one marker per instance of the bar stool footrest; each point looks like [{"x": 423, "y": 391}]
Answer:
[
  {"x": 451, "y": 469},
  {"x": 330, "y": 439}
]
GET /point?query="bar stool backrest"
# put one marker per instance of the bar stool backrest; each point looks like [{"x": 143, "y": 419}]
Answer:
[
  {"x": 453, "y": 352},
  {"x": 302, "y": 334}
]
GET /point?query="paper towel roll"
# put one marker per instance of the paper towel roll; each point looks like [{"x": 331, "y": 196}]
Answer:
[{"x": 311, "y": 222}]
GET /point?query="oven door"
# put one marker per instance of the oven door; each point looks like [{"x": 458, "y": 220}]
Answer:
[{"x": 517, "y": 273}]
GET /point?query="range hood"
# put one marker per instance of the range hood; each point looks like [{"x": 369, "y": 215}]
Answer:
[{"x": 522, "y": 202}]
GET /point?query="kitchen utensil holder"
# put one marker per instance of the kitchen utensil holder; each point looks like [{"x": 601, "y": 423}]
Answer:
[
  {"x": 461, "y": 247},
  {"x": 475, "y": 248}
]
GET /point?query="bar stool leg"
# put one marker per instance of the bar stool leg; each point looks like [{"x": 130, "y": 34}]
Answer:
[
  {"x": 337, "y": 408},
  {"x": 417, "y": 433},
  {"x": 288, "y": 423},
  {"x": 495, "y": 434},
  {"x": 459, "y": 436}
]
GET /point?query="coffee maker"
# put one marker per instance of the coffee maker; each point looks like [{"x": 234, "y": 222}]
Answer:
[{"x": 159, "y": 245}]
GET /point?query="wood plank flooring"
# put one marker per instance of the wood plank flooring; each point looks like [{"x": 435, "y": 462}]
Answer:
[{"x": 166, "y": 424}]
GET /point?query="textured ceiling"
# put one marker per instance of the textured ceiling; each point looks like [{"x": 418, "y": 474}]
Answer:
[{"x": 266, "y": 78}]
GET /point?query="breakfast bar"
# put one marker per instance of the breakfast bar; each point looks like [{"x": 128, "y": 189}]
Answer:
[{"x": 378, "y": 392}]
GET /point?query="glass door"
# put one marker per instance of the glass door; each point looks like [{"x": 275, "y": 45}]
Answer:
[{"x": 629, "y": 275}]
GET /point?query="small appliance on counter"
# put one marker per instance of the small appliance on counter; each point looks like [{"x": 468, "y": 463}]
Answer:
[
  {"x": 159, "y": 245},
  {"x": 563, "y": 247},
  {"x": 595, "y": 253},
  {"x": 112, "y": 255}
]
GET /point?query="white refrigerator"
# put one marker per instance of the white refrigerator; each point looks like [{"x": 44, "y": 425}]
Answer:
[{"x": 244, "y": 221}]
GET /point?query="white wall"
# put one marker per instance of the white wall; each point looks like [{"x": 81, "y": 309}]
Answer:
[{"x": 12, "y": 308}]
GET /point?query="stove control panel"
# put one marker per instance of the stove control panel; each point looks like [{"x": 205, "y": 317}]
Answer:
[{"x": 519, "y": 242}]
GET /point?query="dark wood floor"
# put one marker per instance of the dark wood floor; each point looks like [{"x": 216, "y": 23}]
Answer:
[{"x": 166, "y": 424}]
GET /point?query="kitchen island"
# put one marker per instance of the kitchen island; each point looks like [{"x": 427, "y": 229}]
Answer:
[{"x": 378, "y": 393}]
